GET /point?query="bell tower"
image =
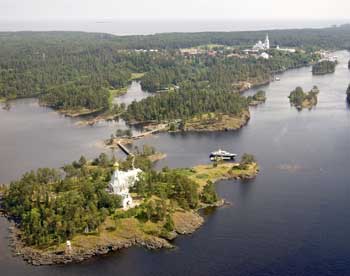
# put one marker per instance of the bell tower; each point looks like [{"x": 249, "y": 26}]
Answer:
[{"x": 267, "y": 42}]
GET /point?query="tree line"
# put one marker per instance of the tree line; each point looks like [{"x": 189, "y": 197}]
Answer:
[
  {"x": 185, "y": 104},
  {"x": 324, "y": 67}
]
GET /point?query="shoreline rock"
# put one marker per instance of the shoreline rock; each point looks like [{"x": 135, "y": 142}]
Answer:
[
  {"x": 37, "y": 257},
  {"x": 185, "y": 223}
]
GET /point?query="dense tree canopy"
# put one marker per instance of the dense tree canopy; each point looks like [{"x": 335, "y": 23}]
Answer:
[
  {"x": 324, "y": 67},
  {"x": 298, "y": 97},
  {"x": 185, "y": 104},
  {"x": 52, "y": 207},
  {"x": 37, "y": 63}
]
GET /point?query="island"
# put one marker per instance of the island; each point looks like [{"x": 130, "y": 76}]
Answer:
[
  {"x": 300, "y": 99},
  {"x": 95, "y": 207},
  {"x": 324, "y": 67}
]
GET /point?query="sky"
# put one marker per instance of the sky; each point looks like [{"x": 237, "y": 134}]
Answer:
[{"x": 174, "y": 9}]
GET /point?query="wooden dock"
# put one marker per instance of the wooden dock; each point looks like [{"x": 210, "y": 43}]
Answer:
[
  {"x": 124, "y": 149},
  {"x": 150, "y": 132}
]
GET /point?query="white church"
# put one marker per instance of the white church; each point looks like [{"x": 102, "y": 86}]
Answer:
[
  {"x": 121, "y": 182},
  {"x": 261, "y": 46}
]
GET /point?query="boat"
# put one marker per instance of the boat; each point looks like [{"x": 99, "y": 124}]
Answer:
[
  {"x": 222, "y": 155},
  {"x": 277, "y": 79}
]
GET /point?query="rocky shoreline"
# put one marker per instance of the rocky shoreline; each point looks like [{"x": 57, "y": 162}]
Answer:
[
  {"x": 39, "y": 257},
  {"x": 185, "y": 223},
  {"x": 84, "y": 247}
]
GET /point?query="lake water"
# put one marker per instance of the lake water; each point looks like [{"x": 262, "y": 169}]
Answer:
[
  {"x": 143, "y": 27},
  {"x": 40, "y": 137},
  {"x": 293, "y": 219}
]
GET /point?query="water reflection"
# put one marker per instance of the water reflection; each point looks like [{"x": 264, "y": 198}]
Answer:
[{"x": 245, "y": 187}]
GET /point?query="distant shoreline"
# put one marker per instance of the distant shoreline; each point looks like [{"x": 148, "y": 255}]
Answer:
[{"x": 126, "y": 27}]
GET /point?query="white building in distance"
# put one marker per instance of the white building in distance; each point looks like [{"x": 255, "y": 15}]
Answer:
[
  {"x": 260, "y": 46},
  {"x": 121, "y": 182},
  {"x": 289, "y": 50},
  {"x": 265, "y": 55}
]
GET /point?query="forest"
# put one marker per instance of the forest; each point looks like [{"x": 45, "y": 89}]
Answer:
[
  {"x": 76, "y": 95},
  {"x": 220, "y": 71},
  {"x": 185, "y": 104},
  {"x": 334, "y": 37},
  {"x": 54, "y": 65},
  {"x": 324, "y": 67},
  {"x": 300, "y": 99},
  {"x": 52, "y": 205}
]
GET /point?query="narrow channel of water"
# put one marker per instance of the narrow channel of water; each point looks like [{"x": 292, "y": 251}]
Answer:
[{"x": 32, "y": 136}]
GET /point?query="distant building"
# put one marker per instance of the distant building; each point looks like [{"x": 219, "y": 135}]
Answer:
[
  {"x": 261, "y": 46},
  {"x": 121, "y": 182},
  {"x": 190, "y": 51},
  {"x": 289, "y": 50},
  {"x": 265, "y": 55}
]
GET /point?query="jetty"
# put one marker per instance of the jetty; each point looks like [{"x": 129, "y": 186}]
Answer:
[
  {"x": 150, "y": 132},
  {"x": 124, "y": 149},
  {"x": 120, "y": 142}
]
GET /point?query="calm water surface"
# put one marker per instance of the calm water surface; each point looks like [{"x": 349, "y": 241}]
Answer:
[
  {"x": 143, "y": 27},
  {"x": 32, "y": 136},
  {"x": 293, "y": 219}
]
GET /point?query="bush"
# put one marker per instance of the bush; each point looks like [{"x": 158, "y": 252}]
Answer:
[
  {"x": 169, "y": 223},
  {"x": 246, "y": 160},
  {"x": 209, "y": 194}
]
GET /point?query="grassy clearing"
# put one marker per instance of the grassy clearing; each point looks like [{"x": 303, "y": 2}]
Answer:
[
  {"x": 136, "y": 76},
  {"x": 204, "y": 173},
  {"x": 117, "y": 92},
  {"x": 110, "y": 232},
  {"x": 211, "y": 46},
  {"x": 78, "y": 112},
  {"x": 217, "y": 122}
]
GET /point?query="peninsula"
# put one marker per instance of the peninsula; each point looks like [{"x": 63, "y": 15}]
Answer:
[
  {"x": 198, "y": 109},
  {"x": 63, "y": 219}
]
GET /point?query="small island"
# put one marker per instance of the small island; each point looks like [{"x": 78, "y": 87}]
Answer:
[
  {"x": 300, "y": 99},
  {"x": 324, "y": 67},
  {"x": 94, "y": 207}
]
